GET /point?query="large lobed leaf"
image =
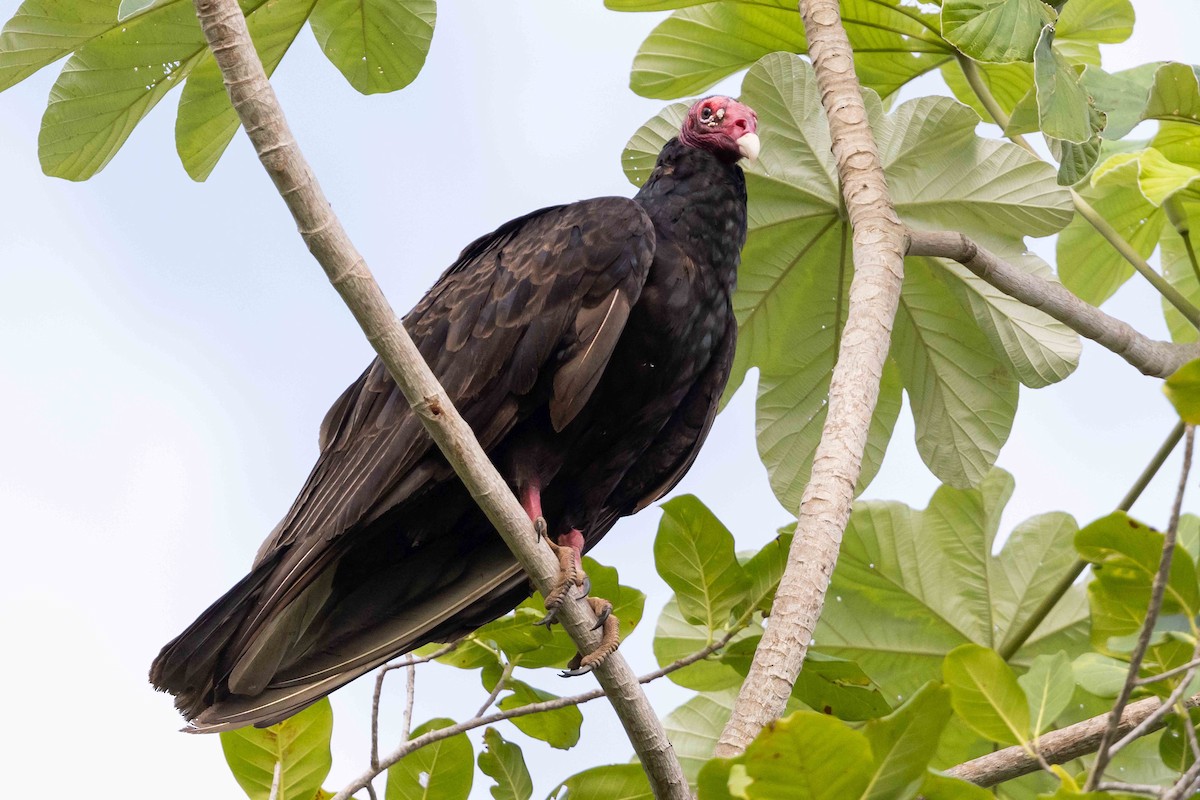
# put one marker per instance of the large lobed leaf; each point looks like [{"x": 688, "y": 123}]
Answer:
[
  {"x": 959, "y": 348},
  {"x": 128, "y": 55},
  {"x": 704, "y": 42},
  {"x": 911, "y": 586}
]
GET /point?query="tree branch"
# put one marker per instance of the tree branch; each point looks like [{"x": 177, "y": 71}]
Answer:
[
  {"x": 258, "y": 109},
  {"x": 1150, "y": 357},
  {"x": 1060, "y": 746},
  {"x": 854, "y": 389}
]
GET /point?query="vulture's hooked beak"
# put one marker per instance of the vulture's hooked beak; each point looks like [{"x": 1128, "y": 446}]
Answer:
[{"x": 748, "y": 145}]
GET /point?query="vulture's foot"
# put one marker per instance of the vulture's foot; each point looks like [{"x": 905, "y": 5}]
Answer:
[
  {"x": 569, "y": 551},
  {"x": 609, "y": 640}
]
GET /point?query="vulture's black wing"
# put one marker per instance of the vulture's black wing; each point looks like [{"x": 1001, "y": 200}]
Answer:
[{"x": 527, "y": 317}]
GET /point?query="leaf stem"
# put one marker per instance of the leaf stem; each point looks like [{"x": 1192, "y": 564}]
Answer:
[
  {"x": 1018, "y": 638},
  {"x": 1186, "y": 235},
  {"x": 1102, "y": 226}
]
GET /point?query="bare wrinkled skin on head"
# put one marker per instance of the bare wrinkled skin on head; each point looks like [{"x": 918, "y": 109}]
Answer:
[{"x": 723, "y": 126}]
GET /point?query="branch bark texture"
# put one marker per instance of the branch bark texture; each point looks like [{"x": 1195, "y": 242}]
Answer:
[
  {"x": 258, "y": 109},
  {"x": 1150, "y": 357},
  {"x": 1060, "y": 746},
  {"x": 874, "y": 293}
]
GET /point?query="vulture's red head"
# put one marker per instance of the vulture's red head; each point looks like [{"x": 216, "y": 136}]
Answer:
[{"x": 723, "y": 126}]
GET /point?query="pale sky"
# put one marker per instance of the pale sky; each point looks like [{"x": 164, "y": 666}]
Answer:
[{"x": 167, "y": 351}]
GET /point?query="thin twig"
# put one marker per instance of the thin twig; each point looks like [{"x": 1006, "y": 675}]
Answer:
[
  {"x": 411, "y": 745},
  {"x": 1183, "y": 786},
  {"x": 1058, "y": 747},
  {"x": 1169, "y": 673},
  {"x": 1149, "y": 356},
  {"x": 257, "y": 107},
  {"x": 1157, "y": 592},
  {"x": 1149, "y": 790},
  {"x": 276, "y": 780},
  {"x": 497, "y": 689},
  {"x": 410, "y": 699}
]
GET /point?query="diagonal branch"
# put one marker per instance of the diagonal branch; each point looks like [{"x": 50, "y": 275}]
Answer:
[
  {"x": 1060, "y": 746},
  {"x": 1150, "y": 357},
  {"x": 854, "y": 390},
  {"x": 258, "y": 109}
]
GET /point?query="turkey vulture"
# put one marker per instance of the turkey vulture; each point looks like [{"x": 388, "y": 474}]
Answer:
[{"x": 586, "y": 345}]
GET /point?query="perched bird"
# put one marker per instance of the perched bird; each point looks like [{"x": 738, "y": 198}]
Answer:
[{"x": 586, "y": 344}]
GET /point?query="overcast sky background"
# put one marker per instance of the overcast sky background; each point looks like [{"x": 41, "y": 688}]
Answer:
[{"x": 168, "y": 348}]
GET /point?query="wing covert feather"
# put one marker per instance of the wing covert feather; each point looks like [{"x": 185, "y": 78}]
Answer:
[{"x": 548, "y": 291}]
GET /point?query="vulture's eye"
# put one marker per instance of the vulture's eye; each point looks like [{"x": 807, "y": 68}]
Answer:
[{"x": 706, "y": 114}]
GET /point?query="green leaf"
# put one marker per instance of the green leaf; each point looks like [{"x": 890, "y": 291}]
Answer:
[
  {"x": 765, "y": 568},
  {"x": 1100, "y": 675},
  {"x": 676, "y": 638},
  {"x": 206, "y": 121},
  {"x": 378, "y": 45},
  {"x": 995, "y": 30},
  {"x": 1183, "y": 390},
  {"x": 695, "y": 726},
  {"x": 1037, "y": 349},
  {"x": 558, "y": 728},
  {"x": 904, "y": 742},
  {"x": 1075, "y": 160},
  {"x": 611, "y": 782},
  {"x": 299, "y": 744},
  {"x": 1125, "y": 555},
  {"x": 1064, "y": 107},
  {"x": 1087, "y": 263},
  {"x": 943, "y": 787},
  {"x": 1008, "y": 84},
  {"x": 443, "y": 770},
  {"x": 503, "y": 762},
  {"x": 694, "y": 554},
  {"x": 1173, "y": 746},
  {"x": 43, "y": 31},
  {"x": 963, "y": 399},
  {"x": 986, "y": 694},
  {"x": 697, "y": 46},
  {"x": 830, "y": 685},
  {"x": 808, "y": 756},
  {"x": 1175, "y": 94},
  {"x": 131, "y": 8},
  {"x": 110, "y": 84},
  {"x": 467, "y": 654},
  {"x": 910, "y": 586},
  {"x": 1049, "y": 685}
]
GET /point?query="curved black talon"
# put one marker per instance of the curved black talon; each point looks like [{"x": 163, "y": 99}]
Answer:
[
  {"x": 585, "y": 587},
  {"x": 540, "y": 528},
  {"x": 550, "y": 618},
  {"x": 603, "y": 617},
  {"x": 575, "y": 673}
]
